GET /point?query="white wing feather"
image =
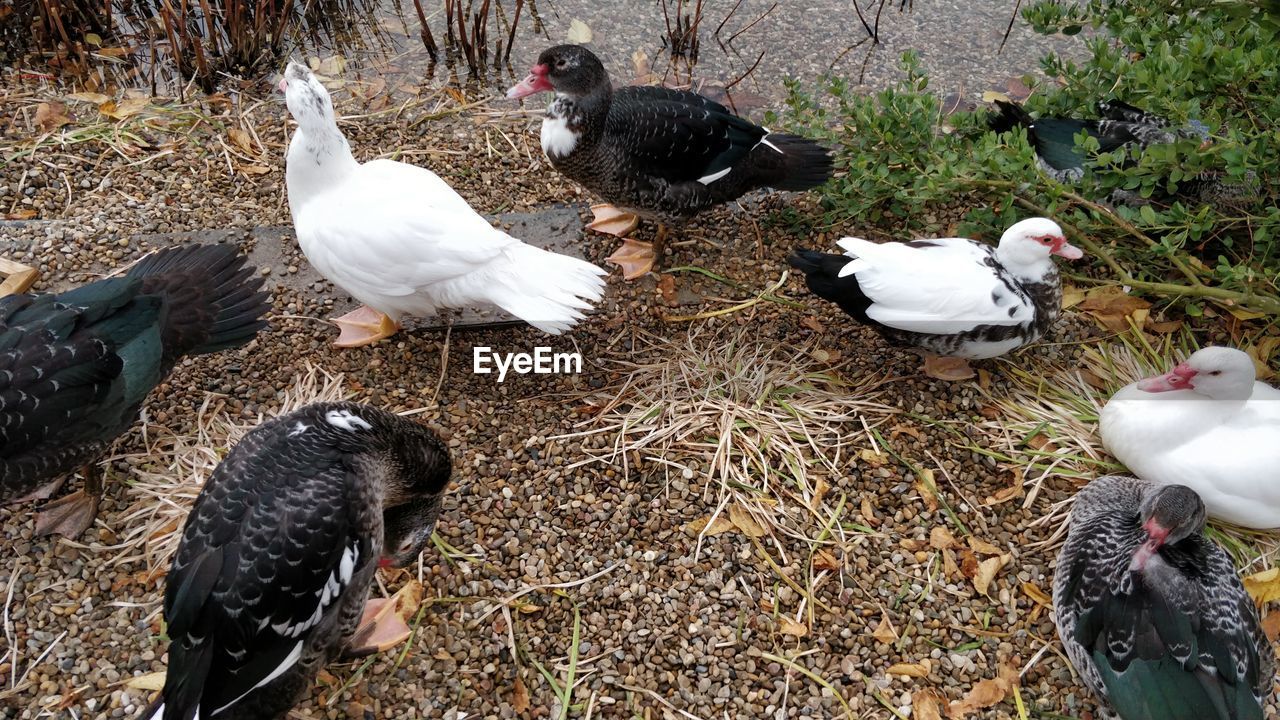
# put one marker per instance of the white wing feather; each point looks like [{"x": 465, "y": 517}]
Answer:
[{"x": 943, "y": 288}]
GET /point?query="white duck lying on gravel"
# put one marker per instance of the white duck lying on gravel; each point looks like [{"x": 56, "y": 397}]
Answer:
[
  {"x": 1209, "y": 425},
  {"x": 951, "y": 296},
  {"x": 400, "y": 240}
]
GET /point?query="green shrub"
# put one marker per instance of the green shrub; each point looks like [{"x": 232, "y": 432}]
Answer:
[{"x": 1212, "y": 61}]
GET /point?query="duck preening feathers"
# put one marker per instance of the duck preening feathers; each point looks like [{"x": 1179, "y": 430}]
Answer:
[
  {"x": 76, "y": 366},
  {"x": 399, "y": 240},
  {"x": 659, "y": 153},
  {"x": 952, "y": 297},
  {"x": 272, "y": 573},
  {"x": 1152, "y": 613}
]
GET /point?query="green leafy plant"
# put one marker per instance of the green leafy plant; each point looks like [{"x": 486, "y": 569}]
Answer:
[{"x": 1200, "y": 221}]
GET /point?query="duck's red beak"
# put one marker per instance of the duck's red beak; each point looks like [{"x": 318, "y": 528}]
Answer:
[
  {"x": 1156, "y": 535},
  {"x": 535, "y": 83},
  {"x": 1064, "y": 249},
  {"x": 1178, "y": 378},
  {"x": 384, "y": 562}
]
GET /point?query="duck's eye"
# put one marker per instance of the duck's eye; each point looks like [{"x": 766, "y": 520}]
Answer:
[
  {"x": 561, "y": 64},
  {"x": 1216, "y": 372}
]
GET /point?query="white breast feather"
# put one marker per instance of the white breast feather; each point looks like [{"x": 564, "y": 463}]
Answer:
[{"x": 557, "y": 139}]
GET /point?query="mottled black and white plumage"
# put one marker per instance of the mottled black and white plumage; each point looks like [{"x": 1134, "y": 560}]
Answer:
[
  {"x": 1152, "y": 613},
  {"x": 950, "y": 296},
  {"x": 76, "y": 366},
  {"x": 279, "y": 551},
  {"x": 660, "y": 153}
]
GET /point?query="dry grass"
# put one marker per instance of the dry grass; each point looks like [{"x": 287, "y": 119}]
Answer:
[
  {"x": 168, "y": 472},
  {"x": 1047, "y": 428},
  {"x": 755, "y": 427}
]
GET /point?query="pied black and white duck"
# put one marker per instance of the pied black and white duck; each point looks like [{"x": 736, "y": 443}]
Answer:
[
  {"x": 1208, "y": 424},
  {"x": 1152, "y": 613},
  {"x": 399, "y": 240},
  {"x": 951, "y": 297},
  {"x": 1120, "y": 125},
  {"x": 76, "y": 366},
  {"x": 271, "y": 577},
  {"x": 654, "y": 152}
]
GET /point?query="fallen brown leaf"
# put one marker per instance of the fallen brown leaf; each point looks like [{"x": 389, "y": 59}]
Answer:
[
  {"x": 1261, "y": 352},
  {"x": 885, "y": 632},
  {"x": 940, "y": 538},
  {"x": 21, "y": 214},
  {"x": 1271, "y": 626},
  {"x": 1112, "y": 308},
  {"x": 791, "y": 627},
  {"x": 949, "y": 564},
  {"x": 823, "y": 560},
  {"x": 867, "y": 513},
  {"x": 745, "y": 522},
  {"x": 987, "y": 571},
  {"x": 984, "y": 694},
  {"x": 968, "y": 563},
  {"x": 924, "y": 705},
  {"x": 982, "y": 546},
  {"x": 124, "y": 109},
  {"x": 519, "y": 696},
  {"x": 1037, "y": 595},
  {"x": 254, "y": 169},
  {"x": 667, "y": 288},
  {"x": 1264, "y": 587},
  {"x": 51, "y": 115},
  {"x": 917, "y": 670},
  {"x": 707, "y": 526},
  {"x": 812, "y": 323},
  {"x": 242, "y": 140}
]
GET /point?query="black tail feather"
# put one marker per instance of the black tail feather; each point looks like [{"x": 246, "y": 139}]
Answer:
[
  {"x": 214, "y": 301},
  {"x": 806, "y": 164},
  {"x": 822, "y": 275},
  {"x": 1010, "y": 116}
]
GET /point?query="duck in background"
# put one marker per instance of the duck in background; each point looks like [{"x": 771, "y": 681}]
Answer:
[
  {"x": 654, "y": 152},
  {"x": 1208, "y": 424},
  {"x": 1152, "y": 613},
  {"x": 954, "y": 298},
  {"x": 270, "y": 580},
  {"x": 398, "y": 239},
  {"x": 76, "y": 366}
]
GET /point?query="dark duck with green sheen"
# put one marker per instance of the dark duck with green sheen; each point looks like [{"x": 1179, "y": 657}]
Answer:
[
  {"x": 659, "y": 153},
  {"x": 76, "y": 366},
  {"x": 1152, "y": 613},
  {"x": 1054, "y": 138},
  {"x": 271, "y": 577}
]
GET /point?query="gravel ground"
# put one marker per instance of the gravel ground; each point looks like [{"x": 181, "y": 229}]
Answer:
[{"x": 663, "y": 631}]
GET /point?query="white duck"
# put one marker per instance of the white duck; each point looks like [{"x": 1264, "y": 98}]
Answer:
[
  {"x": 1209, "y": 425},
  {"x": 953, "y": 298},
  {"x": 398, "y": 239}
]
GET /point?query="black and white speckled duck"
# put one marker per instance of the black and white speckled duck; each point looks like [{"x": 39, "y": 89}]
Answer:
[
  {"x": 952, "y": 297},
  {"x": 278, "y": 553},
  {"x": 658, "y": 153},
  {"x": 76, "y": 366},
  {"x": 1152, "y": 613}
]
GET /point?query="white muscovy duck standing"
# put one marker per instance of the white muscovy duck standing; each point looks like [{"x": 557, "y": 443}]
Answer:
[
  {"x": 951, "y": 297},
  {"x": 398, "y": 239},
  {"x": 1207, "y": 424}
]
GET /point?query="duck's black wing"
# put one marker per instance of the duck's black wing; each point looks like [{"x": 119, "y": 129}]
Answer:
[{"x": 273, "y": 545}]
